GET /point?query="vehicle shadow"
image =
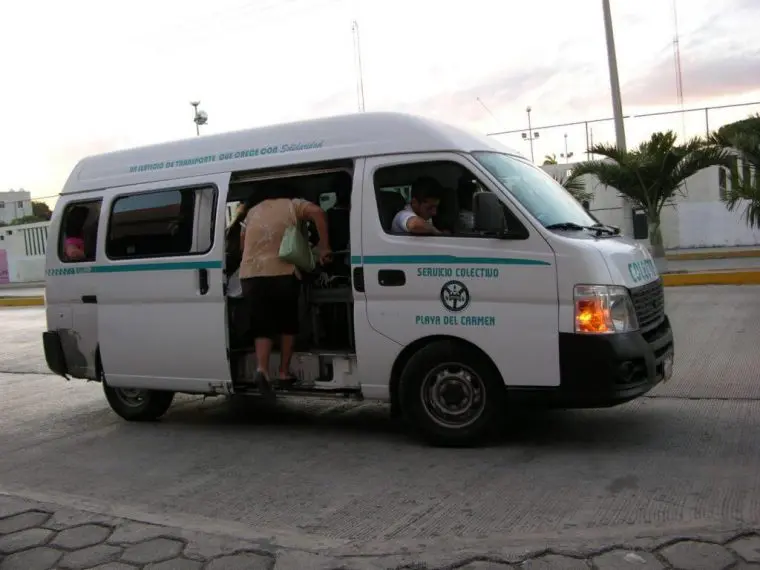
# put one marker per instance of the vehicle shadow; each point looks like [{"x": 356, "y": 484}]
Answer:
[{"x": 629, "y": 425}]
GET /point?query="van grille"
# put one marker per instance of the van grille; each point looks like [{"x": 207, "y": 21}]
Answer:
[{"x": 649, "y": 303}]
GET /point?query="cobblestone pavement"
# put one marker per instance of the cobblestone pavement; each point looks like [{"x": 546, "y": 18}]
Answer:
[{"x": 42, "y": 536}]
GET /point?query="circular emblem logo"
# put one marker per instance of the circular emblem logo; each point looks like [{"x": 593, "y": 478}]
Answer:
[{"x": 455, "y": 296}]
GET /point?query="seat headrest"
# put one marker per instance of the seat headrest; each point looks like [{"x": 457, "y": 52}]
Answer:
[{"x": 389, "y": 204}]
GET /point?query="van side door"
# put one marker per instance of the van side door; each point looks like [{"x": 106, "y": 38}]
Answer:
[
  {"x": 498, "y": 294},
  {"x": 161, "y": 304}
]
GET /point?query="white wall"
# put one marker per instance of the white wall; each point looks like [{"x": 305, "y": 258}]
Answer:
[
  {"x": 15, "y": 204},
  {"x": 25, "y": 247},
  {"x": 699, "y": 219}
]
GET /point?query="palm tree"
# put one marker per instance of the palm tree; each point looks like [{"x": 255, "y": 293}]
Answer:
[
  {"x": 652, "y": 174},
  {"x": 575, "y": 185},
  {"x": 550, "y": 159},
  {"x": 742, "y": 139}
]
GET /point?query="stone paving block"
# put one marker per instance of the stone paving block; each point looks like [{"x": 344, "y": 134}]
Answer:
[
  {"x": 81, "y": 536},
  {"x": 90, "y": 556},
  {"x": 134, "y": 532},
  {"x": 243, "y": 561},
  {"x": 748, "y": 548},
  {"x": 176, "y": 564},
  {"x": 627, "y": 559},
  {"x": 115, "y": 566},
  {"x": 486, "y": 566},
  {"x": 67, "y": 518},
  {"x": 23, "y": 521},
  {"x": 154, "y": 550},
  {"x": 746, "y": 566},
  {"x": 691, "y": 555},
  {"x": 40, "y": 558},
  {"x": 555, "y": 562},
  {"x": 211, "y": 546},
  {"x": 24, "y": 539},
  {"x": 10, "y": 506}
]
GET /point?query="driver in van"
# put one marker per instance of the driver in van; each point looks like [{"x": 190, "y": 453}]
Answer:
[
  {"x": 271, "y": 286},
  {"x": 417, "y": 217}
]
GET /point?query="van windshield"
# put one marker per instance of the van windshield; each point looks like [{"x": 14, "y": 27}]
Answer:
[{"x": 538, "y": 192}]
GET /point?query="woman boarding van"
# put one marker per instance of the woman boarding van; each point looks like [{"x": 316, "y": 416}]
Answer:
[{"x": 533, "y": 300}]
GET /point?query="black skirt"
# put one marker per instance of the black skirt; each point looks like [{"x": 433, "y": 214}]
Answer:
[{"x": 272, "y": 305}]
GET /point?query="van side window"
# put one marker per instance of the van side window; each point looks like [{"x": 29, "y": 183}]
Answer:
[
  {"x": 454, "y": 213},
  {"x": 79, "y": 232},
  {"x": 161, "y": 224}
]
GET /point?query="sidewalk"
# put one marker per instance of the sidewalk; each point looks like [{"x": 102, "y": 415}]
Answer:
[{"x": 41, "y": 536}]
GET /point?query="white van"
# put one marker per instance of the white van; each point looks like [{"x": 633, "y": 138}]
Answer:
[{"x": 537, "y": 303}]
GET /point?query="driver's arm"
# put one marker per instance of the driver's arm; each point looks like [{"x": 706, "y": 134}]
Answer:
[{"x": 418, "y": 226}]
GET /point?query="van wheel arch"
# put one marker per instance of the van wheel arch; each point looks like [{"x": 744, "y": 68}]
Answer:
[
  {"x": 157, "y": 402},
  {"x": 410, "y": 350}
]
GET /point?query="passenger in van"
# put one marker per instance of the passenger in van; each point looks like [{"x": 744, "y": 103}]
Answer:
[
  {"x": 73, "y": 242},
  {"x": 416, "y": 218},
  {"x": 234, "y": 250},
  {"x": 270, "y": 285}
]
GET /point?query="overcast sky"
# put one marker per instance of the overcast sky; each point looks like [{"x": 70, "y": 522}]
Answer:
[{"x": 87, "y": 76}]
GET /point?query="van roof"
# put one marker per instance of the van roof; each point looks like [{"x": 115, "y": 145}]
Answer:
[{"x": 319, "y": 140}]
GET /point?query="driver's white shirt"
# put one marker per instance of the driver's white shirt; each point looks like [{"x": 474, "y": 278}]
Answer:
[{"x": 401, "y": 219}]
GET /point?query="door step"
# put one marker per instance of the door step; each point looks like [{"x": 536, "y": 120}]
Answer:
[{"x": 303, "y": 390}]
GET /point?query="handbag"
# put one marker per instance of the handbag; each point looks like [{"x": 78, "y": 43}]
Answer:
[{"x": 295, "y": 247}]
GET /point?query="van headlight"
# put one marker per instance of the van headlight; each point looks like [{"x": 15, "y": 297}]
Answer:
[{"x": 603, "y": 309}]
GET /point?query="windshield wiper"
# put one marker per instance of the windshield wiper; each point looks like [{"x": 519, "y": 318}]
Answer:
[{"x": 598, "y": 228}]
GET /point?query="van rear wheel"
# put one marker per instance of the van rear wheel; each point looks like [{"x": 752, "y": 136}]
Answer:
[
  {"x": 451, "y": 394},
  {"x": 138, "y": 405}
]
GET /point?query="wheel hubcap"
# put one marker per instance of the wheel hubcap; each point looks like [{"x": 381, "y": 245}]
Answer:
[
  {"x": 453, "y": 395},
  {"x": 132, "y": 397}
]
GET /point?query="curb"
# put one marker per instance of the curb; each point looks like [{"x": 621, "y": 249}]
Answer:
[
  {"x": 703, "y": 255},
  {"x": 22, "y": 301},
  {"x": 712, "y": 278},
  {"x": 668, "y": 279}
]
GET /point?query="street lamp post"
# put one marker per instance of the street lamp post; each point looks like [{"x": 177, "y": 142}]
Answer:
[
  {"x": 617, "y": 105},
  {"x": 199, "y": 117},
  {"x": 530, "y": 135},
  {"x": 567, "y": 155}
]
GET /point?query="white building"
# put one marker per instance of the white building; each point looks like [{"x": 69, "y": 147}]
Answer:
[
  {"x": 14, "y": 204},
  {"x": 22, "y": 252},
  {"x": 699, "y": 219}
]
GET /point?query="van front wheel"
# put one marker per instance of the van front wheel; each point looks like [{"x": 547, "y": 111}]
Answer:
[
  {"x": 138, "y": 405},
  {"x": 451, "y": 394}
]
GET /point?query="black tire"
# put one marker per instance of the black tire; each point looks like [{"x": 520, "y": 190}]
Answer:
[
  {"x": 475, "y": 390},
  {"x": 138, "y": 405}
]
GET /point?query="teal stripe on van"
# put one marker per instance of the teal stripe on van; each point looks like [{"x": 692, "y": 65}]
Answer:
[
  {"x": 129, "y": 268},
  {"x": 441, "y": 260}
]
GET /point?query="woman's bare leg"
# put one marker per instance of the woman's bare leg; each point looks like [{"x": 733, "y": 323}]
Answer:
[
  {"x": 287, "y": 341},
  {"x": 263, "y": 351}
]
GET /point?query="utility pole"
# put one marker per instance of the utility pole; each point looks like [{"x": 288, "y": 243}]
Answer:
[{"x": 617, "y": 107}]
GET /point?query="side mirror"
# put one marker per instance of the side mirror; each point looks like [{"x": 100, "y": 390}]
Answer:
[{"x": 489, "y": 213}]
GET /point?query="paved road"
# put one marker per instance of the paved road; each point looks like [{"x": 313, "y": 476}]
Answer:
[{"x": 684, "y": 457}]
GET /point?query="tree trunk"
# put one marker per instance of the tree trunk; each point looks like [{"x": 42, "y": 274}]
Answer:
[{"x": 657, "y": 247}]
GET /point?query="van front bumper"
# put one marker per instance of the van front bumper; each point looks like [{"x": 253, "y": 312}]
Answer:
[{"x": 600, "y": 371}]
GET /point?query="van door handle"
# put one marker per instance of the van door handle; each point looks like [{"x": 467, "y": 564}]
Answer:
[
  {"x": 203, "y": 281},
  {"x": 391, "y": 278},
  {"x": 90, "y": 299}
]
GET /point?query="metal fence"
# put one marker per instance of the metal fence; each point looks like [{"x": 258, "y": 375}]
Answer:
[{"x": 575, "y": 138}]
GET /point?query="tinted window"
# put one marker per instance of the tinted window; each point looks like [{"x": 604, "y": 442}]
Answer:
[
  {"x": 79, "y": 232},
  {"x": 154, "y": 224}
]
